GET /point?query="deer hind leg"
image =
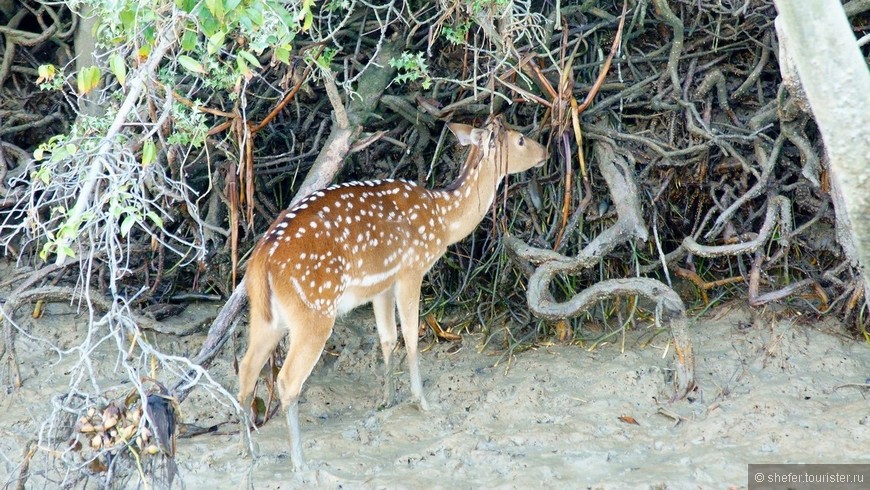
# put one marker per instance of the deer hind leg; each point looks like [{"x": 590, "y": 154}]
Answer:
[
  {"x": 385, "y": 316},
  {"x": 408, "y": 300},
  {"x": 308, "y": 335},
  {"x": 263, "y": 337}
]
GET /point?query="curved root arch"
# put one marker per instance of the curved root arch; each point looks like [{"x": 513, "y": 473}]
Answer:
[{"x": 669, "y": 307}]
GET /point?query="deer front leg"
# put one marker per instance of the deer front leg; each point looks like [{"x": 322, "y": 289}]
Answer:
[
  {"x": 385, "y": 316},
  {"x": 408, "y": 300}
]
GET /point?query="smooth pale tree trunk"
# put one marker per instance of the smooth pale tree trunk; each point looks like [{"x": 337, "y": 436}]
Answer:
[
  {"x": 86, "y": 55},
  {"x": 821, "y": 48}
]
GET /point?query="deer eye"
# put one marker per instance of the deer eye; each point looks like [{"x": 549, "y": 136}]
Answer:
[{"x": 522, "y": 141}]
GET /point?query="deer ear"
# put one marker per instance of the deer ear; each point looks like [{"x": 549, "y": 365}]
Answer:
[
  {"x": 462, "y": 132},
  {"x": 468, "y": 135}
]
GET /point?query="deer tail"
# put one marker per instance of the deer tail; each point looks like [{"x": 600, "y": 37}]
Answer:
[{"x": 258, "y": 286}]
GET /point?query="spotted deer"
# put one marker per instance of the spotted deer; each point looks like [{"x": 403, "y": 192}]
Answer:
[{"x": 363, "y": 242}]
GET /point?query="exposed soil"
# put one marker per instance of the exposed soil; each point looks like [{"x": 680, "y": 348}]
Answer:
[{"x": 770, "y": 391}]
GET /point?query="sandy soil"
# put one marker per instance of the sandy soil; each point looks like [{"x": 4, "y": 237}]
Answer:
[{"x": 770, "y": 391}]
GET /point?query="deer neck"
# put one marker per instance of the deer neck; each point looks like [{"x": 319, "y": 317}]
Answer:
[{"x": 466, "y": 201}]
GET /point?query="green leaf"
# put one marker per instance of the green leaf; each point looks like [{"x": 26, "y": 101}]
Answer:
[
  {"x": 246, "y": 22},
  {"x": 250, "y": 58},
  {"x": 188, "y": 40},
  {"x": 187, "y": 5},
  {"x": 65, "y": 251},
  {"x": 157, "y": 220},
  {"x": 88, "y": 79},
  {"x": 256, "y": 15},
  {"x": 149, "y": 153},
  {"x": 46, "y": 249},
  {"x": 231, "y": 5},
  {"x": 216, "y": 7},
  {"x": 306, "y": 15},
  {"x": 216, "y": 41},
  {"x": 59, "y": 154},
  {"x": 43, "y": 175},
  {"x": 128, "y": 19},
  {"x": 242, "y": 67},
  {"x": 282, "y": 54},
  {"x": 150, "y": 34},
  {"x": 190, "y": 64},
  {"x": 207, "y": 23},
  {"x": 309, "y": 19},
  {"x": 118, "y": 68},
  {"x": 144, "y": 51},
  {"x": 127, "y": 224}
]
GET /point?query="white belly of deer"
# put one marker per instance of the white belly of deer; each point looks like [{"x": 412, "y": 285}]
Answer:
[{"x": 360, "y": 290}]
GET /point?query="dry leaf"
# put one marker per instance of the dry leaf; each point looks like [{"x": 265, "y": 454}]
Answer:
[{"x": 440, "y": 332}]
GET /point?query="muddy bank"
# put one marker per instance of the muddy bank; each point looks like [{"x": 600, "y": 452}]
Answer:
[{"x": 768, "y": 393}]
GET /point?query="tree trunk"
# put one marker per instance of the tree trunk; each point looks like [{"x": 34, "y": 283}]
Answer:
[{"x": 819, "y": 42}]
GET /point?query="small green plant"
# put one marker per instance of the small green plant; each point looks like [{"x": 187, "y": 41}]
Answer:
[
  {"x": 412, "y": 67},
  {"x": 322, "y": 63},
  {"x": 56, "y": 148},
  {"x": 456, "y": 34},
  {"x": 123, "y": 203},
  {"x": 191, "y": 127},
  {"x": 58, "y": 243}
]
